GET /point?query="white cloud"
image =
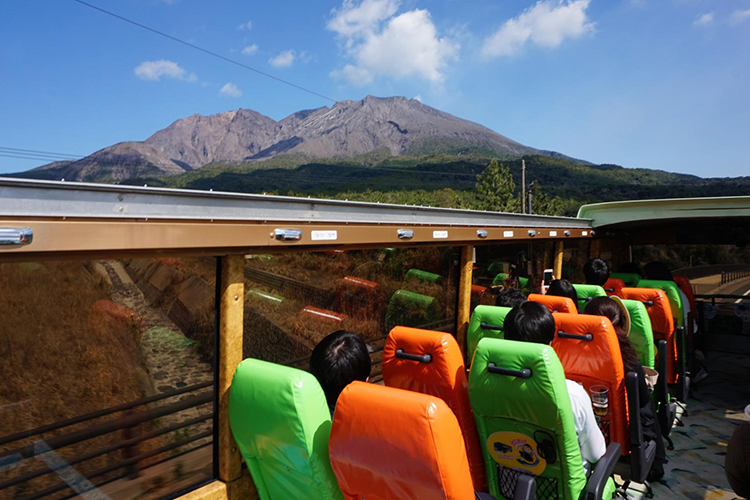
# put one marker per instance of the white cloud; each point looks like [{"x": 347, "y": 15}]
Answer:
[
  {"x": 704, "y": 19},
  {"x": 418, "y": 98},
  {"x": 381, "y": 43},
  {"x": 155, "y": 70},
  {"x": 245, "y": 26},
  {"x": 739, "y": 16},
  {"x": 230, "y": 90},
  {"x": 250, "y": 50},
  {"x": 547, "y": 23},
  {"x": 283, "y": 59}
]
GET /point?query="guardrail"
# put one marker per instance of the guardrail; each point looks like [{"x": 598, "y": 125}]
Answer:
[
  {"x": 128, "y": 423},
  {"x": 728, "y": 276},
  {"x": 701, "y": 271}
]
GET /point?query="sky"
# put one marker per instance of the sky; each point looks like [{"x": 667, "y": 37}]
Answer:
[{"x": 660, "y": 84}]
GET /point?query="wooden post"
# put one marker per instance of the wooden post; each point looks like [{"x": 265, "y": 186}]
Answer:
[
  {"x": 464, "y": 296},
  {"x": 558, "y": 259},
  {"x": 231, "y": 316},
  {"x": 595, "y": 250}
]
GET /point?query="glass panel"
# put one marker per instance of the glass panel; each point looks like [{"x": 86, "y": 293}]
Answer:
[
  {"x": 575, "y": 256},
  {"x": 294, "y": 300},
  {"x": 106, "y": 380}
]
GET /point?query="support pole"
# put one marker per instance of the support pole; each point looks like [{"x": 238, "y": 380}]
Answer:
[
  {"x": 231, "y": 314},
  {"x": 523, "y": 186},
  {"x": 558, "y": 259},
  {"x": 463, "y": 314}
]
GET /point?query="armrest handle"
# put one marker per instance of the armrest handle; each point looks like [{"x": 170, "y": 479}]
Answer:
[
  {"x": 422, "y": 358},
  {"x": 525, "y": 488},
  {"x": 522, "y": 373},
  {"x": 575, "y": 336},
  {"x": 602, "y": 472},
  {"x": 487, "y": 326}
]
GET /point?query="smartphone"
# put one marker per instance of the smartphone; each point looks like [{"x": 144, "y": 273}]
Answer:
[{"x": 547, "y": 278}]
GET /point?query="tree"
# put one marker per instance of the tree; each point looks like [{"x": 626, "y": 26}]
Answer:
[
  {"x": 542, "y": 204},
  {"x": 495, "y": 187}
]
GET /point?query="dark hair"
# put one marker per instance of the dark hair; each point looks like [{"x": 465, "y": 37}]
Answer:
[
  {"x": 604, "y": 306},
  {"x": 658, "y": 271},
  {"x": 596, "y": 272},
  {"x": 563, "y": 288},
  {"x": 510, "y": 297},
  {"x": 632, "y": 268},
  {"x": 338, "y": 360},
  {"x": 530, "y": 322}
]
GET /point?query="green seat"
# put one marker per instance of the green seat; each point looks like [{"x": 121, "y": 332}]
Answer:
[
  {"x": 281, "y": 422},
  {"x": 419, "y": 276},
  {"x": 673, "y": 295},
  {"x": 486, "y": 321},
  {"x": 524, "y": 283},
  {"x": 641, "y": 334},
  {"x": 408, "y": 308},
  {"x": 588, "y": 292},
  {"x": 630, "y": 279},
  {"x": 526, "y": 424},
  {"x": 498, "y": 266}
]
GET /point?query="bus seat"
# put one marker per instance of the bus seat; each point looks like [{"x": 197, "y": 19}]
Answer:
[
  {"x": 431, "y": 362},
  {"x": 281, "y": 422},
  {"x": 478, "y": 293},
  {"x": 641, "y": 335},
  {"x": 673, "y": 294},
  {"x": 613, "y": 286},
  {"x": 630, "y": 279},
  {"x": 408, "y": 308},
  {"x": 486, "y": 321},
  {"x": 359, "y": 298},
  {"x": 587, "y": 292},
  {"x": 389, "y": 444},
  {"x": 422, "y": 277},
  {"x": 685, "y": 287},
  {"x": 555, "y": 303},
  {"x": 526, "y": 424},
  {"x": 524, "y": 283},
  {"x": 589, "y": 351}
]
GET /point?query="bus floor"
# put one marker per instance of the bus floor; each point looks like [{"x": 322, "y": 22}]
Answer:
[{"x": 715, "y": 408}]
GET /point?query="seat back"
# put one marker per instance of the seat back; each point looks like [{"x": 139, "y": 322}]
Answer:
[
  {"x": 431, "y": 363},
  {"x": 673, "y": 294},
  {"x": 486, "y": 321},
  {"x": 683, "y": 283},
  {"x": 662, "y": 323},
  {"x": 641, "y": 335},
  {"x": 525, "y": 419},
  {"x": 555, "y": 303},
  {"x": 630, "y": 279},
  {"x": 589, "y": 351},
  {"x": 281, "y": 422},
  {"x": 587, "y": 292},
  {"x": 613, "y": 286},
  {"x": 388, "y": 444}
]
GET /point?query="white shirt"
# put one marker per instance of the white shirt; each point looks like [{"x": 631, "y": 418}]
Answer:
[{"x": 590, "y": 438}]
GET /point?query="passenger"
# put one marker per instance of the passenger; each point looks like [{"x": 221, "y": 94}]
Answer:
[
  {"x": 607, "y": 307},
  {"x": 737, "y": 462},
  {"x": 510, "y": 297},
  {"x": 338, "y": 360},
  {"x": 631, "y": 268},
  {"x": 596, "y": 272},
  {"x": 563, "y": 288},
  {"x": 658, "y": 271},
  {"x": 532, "y": 322}
]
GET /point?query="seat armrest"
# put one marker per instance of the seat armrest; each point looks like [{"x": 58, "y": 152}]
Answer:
[
  {"x": 602, "y": 472},
  {"x": 525, "y": 488},
  {"x": 634, "y": 409}
]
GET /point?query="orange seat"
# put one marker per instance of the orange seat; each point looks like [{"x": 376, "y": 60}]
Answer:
[
  {"x": 683, "y": 283},
  {"x": 431, "y": 362},
  {"x": 614, "y": 286},
  {"x": 590, "y": 354},
  {"x": 555, "y": 303},
  {"x": 662, "y": 323},
  {"x": 391, "y": 444}
]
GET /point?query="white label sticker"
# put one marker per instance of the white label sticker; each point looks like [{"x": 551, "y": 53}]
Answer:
[
  {"x": 440, "y": 235},
  {"x": 324, "y": 235},
  {"x": 584, "y": 233},
  {"x": 507, "y": 234},
  {"x": 553, "y": 233}
]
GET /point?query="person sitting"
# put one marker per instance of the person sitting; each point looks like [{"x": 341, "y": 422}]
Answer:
[
  {"x": 563, "y": 288},
  {"x": 510, "y": 297},
  {"x": 658, "y": 271},
  {"x": 596, "y": 272},
  {"x": 737, "y": 461},
  {"x": 532, "y": 322},
  {"x": 609, "y": 308},
  {"x": 338, "y": 360},
  {"x": 631, "y": 268}
]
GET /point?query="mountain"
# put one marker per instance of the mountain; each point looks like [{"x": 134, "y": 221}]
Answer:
[{"x": 393, "y": 126}]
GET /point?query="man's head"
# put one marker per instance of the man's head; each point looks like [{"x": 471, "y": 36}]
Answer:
[
  {"x": 530, "y": 322},
  {"x": 596, "y": 272},
  {"x": 510, "y": 297},
  {"x": 338, "y": 360},
  {"x": 563, "y": 288}
]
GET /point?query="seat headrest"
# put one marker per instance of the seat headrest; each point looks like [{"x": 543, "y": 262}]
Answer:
[
  {"x": 555, "y": 303},
  {"x": 486, "y": 321},
  {"x": 673, "y": 294},
  {"x": 613, "y": 286},
  {"x": 586, "y": 291},
  {"x": 641, "y": 334},
  {"x": 388, "y": 443},
  {"x": 657, "y": 306},
  {"x": 630, "y": 279}
]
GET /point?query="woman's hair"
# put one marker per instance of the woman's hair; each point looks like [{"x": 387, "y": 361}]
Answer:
[
  {"x": 604, "y": 306},
  {"x": 563, "y": 288},
  {"x": 658, "y": 271},
  {"x": 530, "y": 322}
]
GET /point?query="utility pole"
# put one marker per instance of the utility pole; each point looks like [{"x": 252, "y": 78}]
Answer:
[
  {"x": 531, "y": 189},
  {"x": 523, "y": 186}
]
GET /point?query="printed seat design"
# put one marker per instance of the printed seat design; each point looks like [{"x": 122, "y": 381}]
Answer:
[
  {"x": 486, "y": 321},
  {"x": 526, "y": 423},
  {"x": 281, "y": 422},
  {"x": 555, "y": 303},
  {"x": 431, "y": 363}
]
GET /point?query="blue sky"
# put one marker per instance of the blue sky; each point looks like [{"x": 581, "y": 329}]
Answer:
[{"x": 642, "y": 83}]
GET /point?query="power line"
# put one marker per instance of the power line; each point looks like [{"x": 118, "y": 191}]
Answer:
[
  {"x": 35, "y": 158},
  {"x": 211, "y": 53},
  {"x": 35, "y": 152}
]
